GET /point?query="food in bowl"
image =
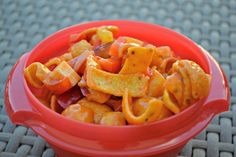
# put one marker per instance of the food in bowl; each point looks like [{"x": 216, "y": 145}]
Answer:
[{"x": 116, "y": 80}]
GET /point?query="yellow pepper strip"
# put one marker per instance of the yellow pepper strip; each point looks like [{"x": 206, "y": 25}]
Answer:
[
  {"x": 66, "y": 57},
  {"x": 53, "y": 62},
  {"x": 104, "y": 35},
  {"x": 151, "y": 113},
  {"x": 61, "y": 79},
  {"x": 169, "y": 104},
  {"x": 156, "y": 84},
  {"x": 79, "y": 47},
  {"x": 115, "y": 84},
  {"x": 35, "y": 73},
  {"x": 88, "y": 33},
  {"x": 57, "y": 60},
  {"x": 137, "y": 60}
]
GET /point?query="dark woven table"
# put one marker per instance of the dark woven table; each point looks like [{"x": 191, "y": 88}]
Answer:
[{"x": 212, "y": 24}]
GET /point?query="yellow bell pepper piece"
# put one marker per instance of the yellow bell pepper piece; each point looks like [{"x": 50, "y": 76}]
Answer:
[
  {"x": 53, "y": 62},
  {"x": 137, "y": 60},
  {"x": 61, "y": 79},
  {"x": 35, "y": 74},
  {"x": 104, "y": 35},
  {"x": 89, "y": 33},
  {"x": 80, "y": 47}
]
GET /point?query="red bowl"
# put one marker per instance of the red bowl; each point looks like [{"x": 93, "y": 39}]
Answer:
[{"x": 70, "y": 138}]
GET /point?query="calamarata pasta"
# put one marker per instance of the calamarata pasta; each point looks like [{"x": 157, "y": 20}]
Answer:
[{"x": 108, "y": 79}]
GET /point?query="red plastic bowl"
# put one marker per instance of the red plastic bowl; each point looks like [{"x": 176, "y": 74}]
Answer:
[{"x": 70, "y": 138}]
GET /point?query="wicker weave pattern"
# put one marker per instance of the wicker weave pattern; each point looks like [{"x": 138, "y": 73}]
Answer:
[{"x": 211, "y": 23}]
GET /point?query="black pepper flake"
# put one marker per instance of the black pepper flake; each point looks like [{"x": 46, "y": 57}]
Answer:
[{"x": 132, "y": 52}]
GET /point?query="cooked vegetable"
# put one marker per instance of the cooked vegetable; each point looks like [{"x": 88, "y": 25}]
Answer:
[
  {"x": 94, "y": 95},
  {"x": 120, "y": 46},
  {"x": 54, "y": 105},
  {"x": 113, "y": 119},
  {"x": 78, "y": 63},
  {"x": 61, "y": 79},
  {"x": 116, "y": 81},
  {"x": 69, "y": 97},
  {"x": 53, "y": 62},
  {"x": 80, "y": 47},
  {"x": 114, "y": 103},
  {"x": 112, "y": 64},
  {"x": 35, "y": 73},
  {"x": 79, "y": 113},
  {"x": 102, "y": 50},
  {"x": 87, "y": 34},
  {"x": 66, "y": 57},
  {"x": 97, "y": 108},
  {"x": 104, "y": 35}
]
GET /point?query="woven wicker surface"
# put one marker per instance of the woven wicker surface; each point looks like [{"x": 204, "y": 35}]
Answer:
[{"x": 212, "y": 23}]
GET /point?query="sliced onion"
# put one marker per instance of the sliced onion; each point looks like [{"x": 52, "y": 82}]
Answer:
[{"x": 69, "y": 97}]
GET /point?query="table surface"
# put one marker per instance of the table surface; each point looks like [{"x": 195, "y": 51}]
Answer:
[{"x": 210, "y": 23}]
